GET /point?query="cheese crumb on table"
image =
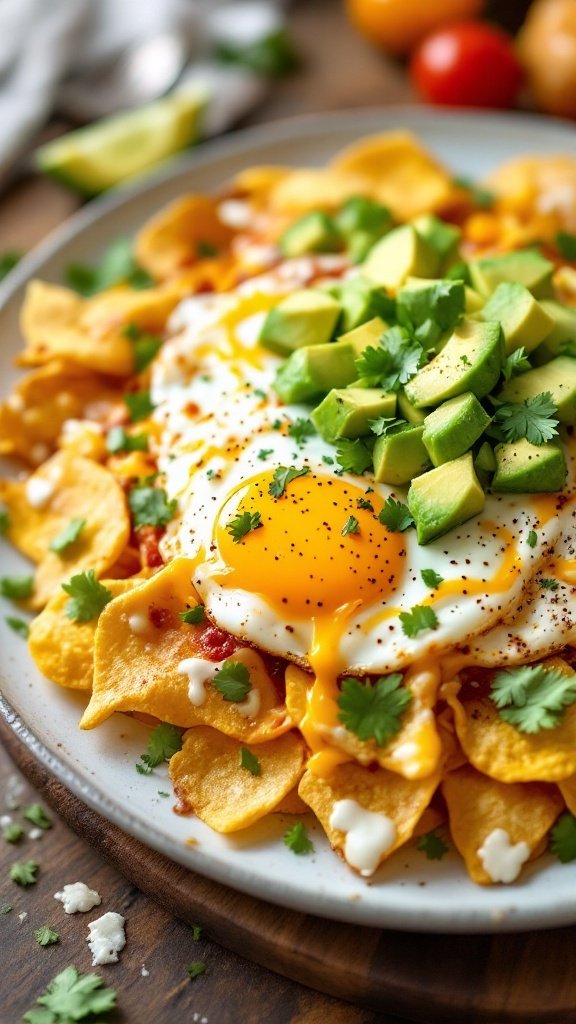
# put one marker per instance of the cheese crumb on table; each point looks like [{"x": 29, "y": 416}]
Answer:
[
  {"x": 76, "y": 897},
  {"x": 106, "y": 938}
]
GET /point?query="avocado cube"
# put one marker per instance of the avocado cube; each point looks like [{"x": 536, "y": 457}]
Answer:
[
  {"x": 444, "y": 498},
  {"x": 473, "y": 301},
  {"x": 361, "y": 300},
  {"x": 443, "y": 237},
  {"x": 400, "y": 254},
  {"x": 563, "y": 330},
  {"x": 452, "y": 428},
  {"x": 310, "y": 372},
  {"x": 365, "y": 335},
  {"x": 347, "y": 412},
  {"x": 558, "y": 377},
  {"x": 408, "y": 411},
  {"x": 307, "y": 317},
  {"x": 314, "y": 232},
  {"x": 525, "y": 266},
  {"x": 471, "y": 360},
  {"x": 362, "y": 222},
  {"x": 522, "y": 318},
  {"x": 485, "y": 462},
  {"x": 400, "y": 456},
  {"x": 524, "y": 468},
  {"x": 439, "y": 300}
]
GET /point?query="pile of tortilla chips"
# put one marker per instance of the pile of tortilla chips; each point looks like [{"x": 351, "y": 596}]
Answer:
[{"x": 475, "y": 773}]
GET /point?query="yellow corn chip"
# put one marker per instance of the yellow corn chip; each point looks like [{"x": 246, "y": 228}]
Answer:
[
  {"x": 536, "y": 185},
  {"x": 317, "y": 189},
  {"x": 256, "y": 182},
  {"x": 477, "y": 806},
  {"x": 291, "y": 803},
  {"x": 568, "y": 790},
  {"x": 65, "y": 488},
  {"x": 209, "y": 780},
  {"x": 173, "y": 240}
]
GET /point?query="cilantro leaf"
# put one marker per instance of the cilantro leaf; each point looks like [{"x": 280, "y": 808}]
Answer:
[
  {"x": 373, "y": 712},
  {"x": 196, "y": 969},
  {"x": 433, "y": 846},
  {"x": 480, "y": 196},
  {"x": 431, "y": 578},
  {"x": 193, "y": 616},
  {"x": 397, "y": 359},
  {"x": 12, "y": 833},
  {"x": 532, "y": 539},
  {"x": 264, "y": 453},
  {"x": 516, "y": 363},
  {"x": 351, "y": 526},
  {"x": 17, "y": 588},
  {"x": 548, "y": 584},
  {"x": 242, "y": 524},
  {"x": 24, "y": 872},
  {"x": 296, "y": 839},
  {"x": 283, "y": 476},
  {"x": 196, "y": 932},
  {"x": 566, "y": 244},
  {"x": 353, "y": 456},
  {"x": 118, "y": 440},
  {"x": 150, "y": 506},
  {"x": 36, "y": 814},
  {"x": 396, "y": 516},
  {"x": 272, "y": 55},
  {"x": 233, "y": 681},
  {"x": 45, "y": 936},
  {"x": 18, "y": 626},
  {"x": 250, "y": 762},
  {"x": 533, "y": 419},
  {"x": 301, "y": 429},
  {"x": 164, "y": 741},
  {"x": 8, "y": 261},
  {"x": 139, "y": 405},
  {"x": 116, "y": 266},
  {"x": 72, "y": 996},
  {"x": 68, "y": 536},
  {"x": 532, "y": 697},
  {"x": 441, "y": 304},
  {"x": 88, "y": 597},
  {"x": 563, "y": 838},
  {"x": 5, "y": 908},
  {"x": 4, "y": 520},
  {"x": 384, "y": 426},
  {"x": 365, "y": 504},
  {"x": 419, "y": 618},
  {"x": 146, "y": 346}
]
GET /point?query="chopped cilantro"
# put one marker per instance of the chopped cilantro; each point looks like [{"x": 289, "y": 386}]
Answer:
[
  {"x": 196, "y": 969},
  {"x": 365, "y": 504},
  {"x": 431, "y": 578},
  {"x": 146, "y": 346},
  {"x": 17, "y": 588},
  {"x": 433, "y": 846},
  {"x": 68, "y": 536},
  {"x": 548, "y": 584},
  {"x": 196, "y": 932},
  {"x": 118, "y": 440},
  {"x": 250, "y": 762},
  {"x": 566, "y": 244},
  {"x": 24, "y": 872},
  {"x": 139, "y": 405},
  {"x": 532, "y": 697},
  {"x": 516, "y": 363},
  {"x": 4, "y": 520},
  {"x": 373, "y": 712},
  {"x": 386, "y": 425},
  {"x": 563, "y": 838},
  {"x": 431, "y": 310},
  {"x": 301, "y": 429},
  {"x": 150, "y": 506},
  {"x": 260, "y": 393},
  {"x": 193, "y": 616},
  {"x": 36, "y": 814},
  {"x": 45, "y": 936},
  {"x": 419, "y": 618},
  {"x": 88, "y": 597},
  {"x": 116, "y": 266},
  {"x": 353, "y": 456},
  {"x": 12, "y": 833},
  {"x": 5, "y": 908},
  {"x": 283, "y": 476},
  {"x": 8, "y": 261},
  {"x": 164, "y": 741},
  {"x": 242, "y": 524},
  {"x": 396, "y": 516},
  {"x": 296, "y": 839},
  {"x": 351, "y": 526},
  {"x": 480, "y": 196},
  {"x": 396, "y": 360},
  {"x": 272, "y": 55},
  {"x": 533, "y": 419},
  {"x": 532, "y": 539},
  {"x": 162, "y": 792},
  {"x": 233, "y": 681},
  {"x": 464, "y": 359},
  {"x": 264, "y": 453},
  {"x": 328, "y": 460},
  {"x": 72, "y": 996},
  {"x": 18, "y": 626}
]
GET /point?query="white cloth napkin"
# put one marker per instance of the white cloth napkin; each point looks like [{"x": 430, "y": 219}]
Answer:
[{"x": 52, "y": 50}]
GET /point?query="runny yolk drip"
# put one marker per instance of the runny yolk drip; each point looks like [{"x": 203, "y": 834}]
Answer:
[{"x": 229, "y": 346}]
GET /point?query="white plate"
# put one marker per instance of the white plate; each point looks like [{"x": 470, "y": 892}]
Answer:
[{"x": 408, "y": 892}]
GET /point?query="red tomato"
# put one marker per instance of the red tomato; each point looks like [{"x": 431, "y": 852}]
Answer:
[{"x": 468, "y": 64}]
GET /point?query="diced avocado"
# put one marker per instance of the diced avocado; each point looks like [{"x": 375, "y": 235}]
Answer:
[
  {"x": 523, "y": 320},
  {"x": 361, "y": 300},
  {"x": 365, "y": 335},
  {"x": 400, "y": 456},
  {"x": 525, "y": 266},
  {"x": 459, "y": 271},
  {"x": 558, "y": 377},
  {"x": 485, "y": 459},
  {"x": 400, "y": 254},
  {"x": 444, "y": 498},
  {"x": 524, "y": 468},
  {"x": 473, "y": 301},
  {"x": 434, "y": 299},
  {"x": 563, "y": 331},
  {"x": 307, "y": 317},
  {"x": 408, "y": 411},
  {"x": 362, "y": 222},
  {"x": 471, "y": 360},
  {"x": 347, "y": 412},
  {"x": 443, "y": 237},
  {"x": 314, "y": 232},
  {"x": 453, "y": 428},
  {"x": 312, "y": 371}
]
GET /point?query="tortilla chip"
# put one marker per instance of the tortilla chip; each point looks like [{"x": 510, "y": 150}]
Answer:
[
  {"x": 538, "y": 185},
  {"x": 63, "y": 649},
  {"x": 256, "y": 183},
  {"x": 568, "y": 790},
  {"x": 317, "y": 189},
  {"x": 298, "y": 686},
  {"x": 77, "y": 489},
  {"x": 172, "y": 240},
  {"x": 209, "y": 780},
  {"x": 478, "y": 805},
  {"x": 403, "y": 801},
  {"x": 503, "y": 752},
  {"x": 291, "y": 804}
]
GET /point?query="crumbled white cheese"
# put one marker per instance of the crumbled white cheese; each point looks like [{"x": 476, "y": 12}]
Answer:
[
  {"x": 145, "y": 973},
  {"x": 35, "y": 833},
  {"x": 106, "y": 938},
  {"x": 236, "y": 213},
  {"x": 369, "y": 834},
  {"x": 77, "y": 898},
  {"x": 502, "y": 859},
  {"x": 5, "y": 820},
  {"x": 199, "y": 672},
  {"x": 14, "y": 791},
  {"x": 39, "y": 490},
  {"x": 250, "y": 707},
  {"x": 22, "y": 917},
  {"x": 138, "y": 623}
]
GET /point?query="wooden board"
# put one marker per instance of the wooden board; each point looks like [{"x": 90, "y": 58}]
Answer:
[{"x": 428, "y": 978}]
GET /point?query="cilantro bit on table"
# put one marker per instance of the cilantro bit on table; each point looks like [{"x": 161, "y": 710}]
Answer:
[
  {"x": 17, "y": 588},
  {"x": 150, "y": 506},
  {"x": 373, "y": 711},
  {"x": 139, "y": 405},
  {"x": 72, "y": 996},
  {"x": 350, "y": 526},
  {"x": 45, "y": 936},
  {"x": 196, "y": 932},
  {"x": 546, "y": 583},
  {"x": 193, "y": 616},
  {"x": 353, "y": 456},
  {"x": 533, "y": 419},
  {"x": 283, "y": 476},
  {"x": 431, "y": 578},
  {"x": 433, "y": 846},
  {"x": 164, "y": 741},
  {"x": 36, "y": 814},
  {"x": 242, "y": 524},
  {"x": 88, "y": 597},
  {"x": 24, "y": 872},
  {"x": 419, "y": 618},
  {"x": 68, "y": 536},
  {"x": 301, "y": 429},
  {"x": 117, "y": 266},
  {"x": 4, "y": 520},
  {"x": 233, "y": 681},
  {"x": 5, "y": 908},
  {"x": 250, "y": 762},
  {"x": 18, "y": 626},
  {"x": 532, "y": 697},
  {"x": 516, "y": 363},
  {"x": 563, "y": 838},
  {"x": 8, "y": 261},
  {"x": 117, "y": 440},
  {"x": 396, "y": 516},
  {"x": 297, "y": 840},
  {"x": 12, "y": 833},
  {"x": 532, "y": 539},
  {"x": 196, "y": 969},
  {"x": 396, "y": 360}
]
